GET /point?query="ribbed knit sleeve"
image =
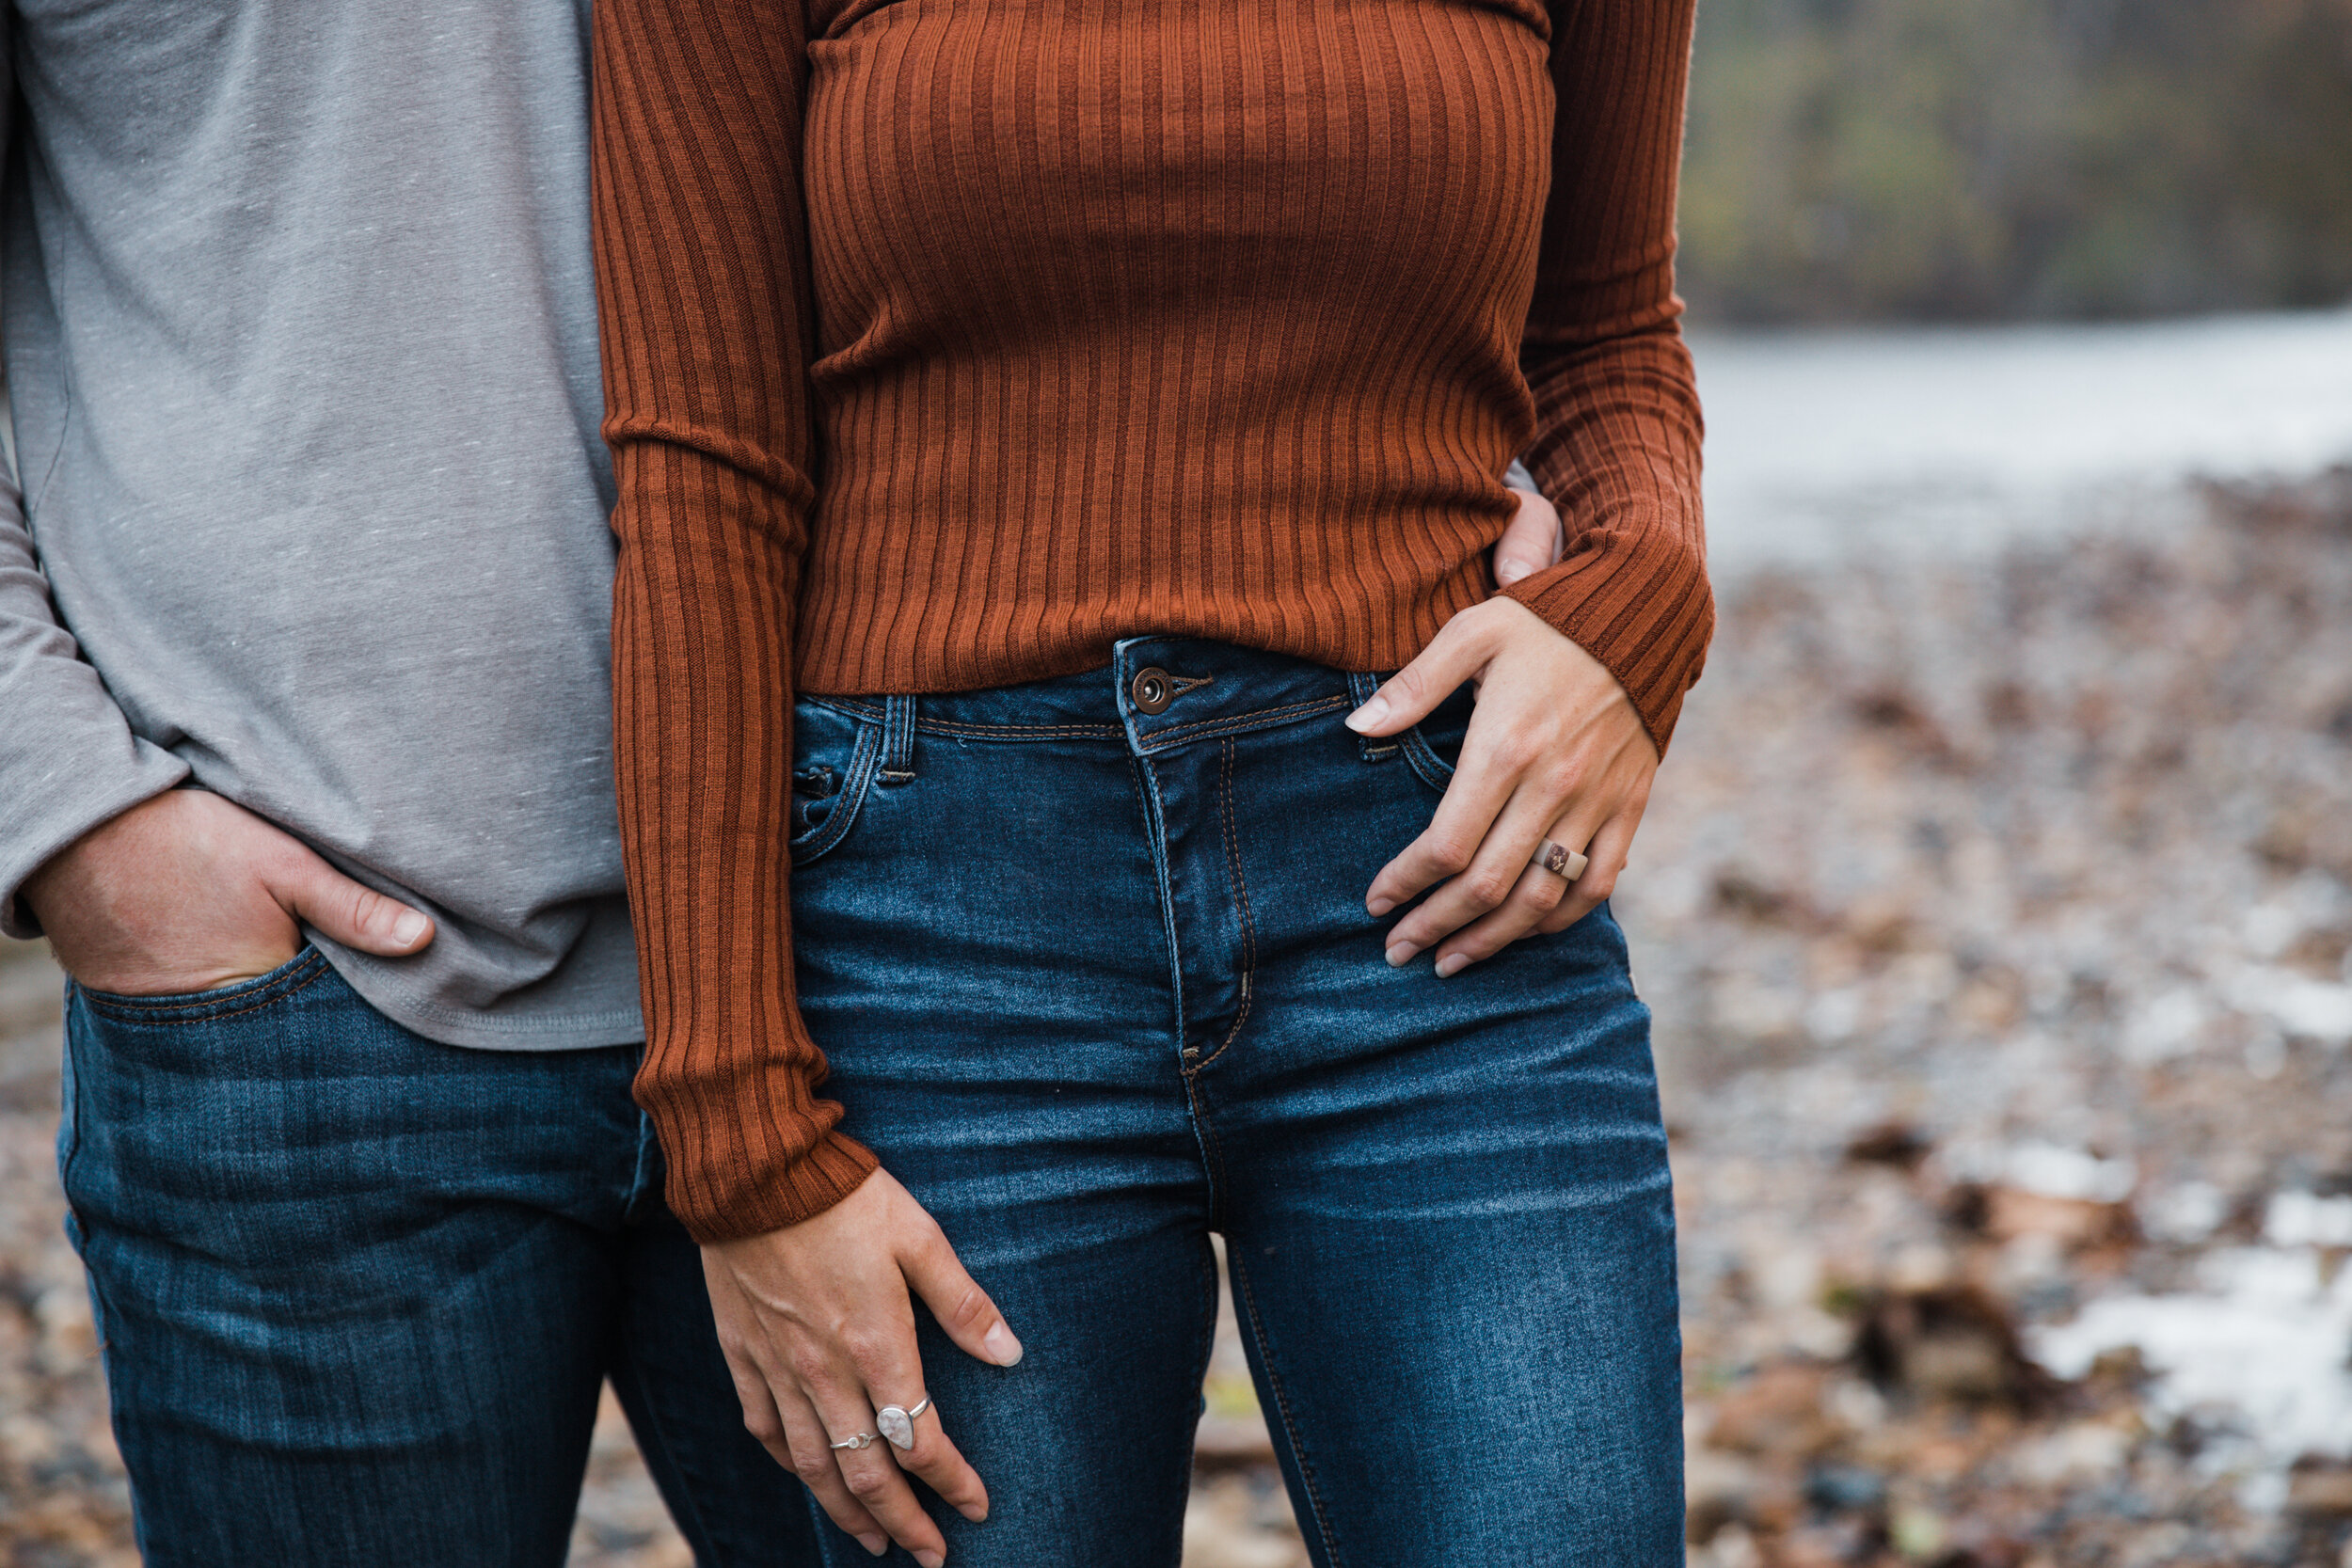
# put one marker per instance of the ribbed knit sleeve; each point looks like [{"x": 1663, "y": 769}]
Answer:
[
  {"x": 1616, "y": 443},
  {"x": 703, "y": 302}
]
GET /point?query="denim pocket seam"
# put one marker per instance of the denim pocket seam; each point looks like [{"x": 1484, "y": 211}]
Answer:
[
  {"x": 297, "y": 974},
  {"x": 1434, "y": 770},
  {"x": 865, "y": 760}
]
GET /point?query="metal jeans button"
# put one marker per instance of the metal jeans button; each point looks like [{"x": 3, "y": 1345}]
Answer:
[{"x": 1152, "y": 690}]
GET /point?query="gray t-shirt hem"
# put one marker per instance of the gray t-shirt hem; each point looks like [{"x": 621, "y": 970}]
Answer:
[{"x": 478, "y": 1030}]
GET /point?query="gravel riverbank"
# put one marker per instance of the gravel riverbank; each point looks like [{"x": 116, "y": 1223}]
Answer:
[{"x": 1996, "y": 917}]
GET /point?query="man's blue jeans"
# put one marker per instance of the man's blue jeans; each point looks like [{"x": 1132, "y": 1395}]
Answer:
[
  {"x": 358, "y": 1292},
  {"x": 1096, "y": 981}
]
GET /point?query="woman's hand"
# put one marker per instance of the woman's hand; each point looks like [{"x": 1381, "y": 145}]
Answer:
[
  {"x": 819, "y": 1330},
  {"x": 1555, "y": 751}
]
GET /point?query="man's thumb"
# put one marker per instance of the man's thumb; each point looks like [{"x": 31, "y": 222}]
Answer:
[{"x": 345, "y": 912}]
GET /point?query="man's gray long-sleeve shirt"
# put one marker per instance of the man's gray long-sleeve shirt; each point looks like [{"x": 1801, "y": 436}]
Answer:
[{"x": 300, "y": 339}]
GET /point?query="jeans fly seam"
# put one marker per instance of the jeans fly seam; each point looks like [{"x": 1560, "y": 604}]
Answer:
[
  {"x": 1248, "y": 926},
  {"x": 1203, "y": 729},
  {"x": 1157, "y": 827},
  {"x": 1247, "y": 1300}
]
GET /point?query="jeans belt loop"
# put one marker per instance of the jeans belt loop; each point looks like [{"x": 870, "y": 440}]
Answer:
[{"x": 897, "y": 760}]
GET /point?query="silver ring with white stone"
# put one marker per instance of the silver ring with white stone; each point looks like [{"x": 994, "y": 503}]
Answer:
[
  {"x": 898, "y": 1424},
  {"x": 863, "y": 1440}
]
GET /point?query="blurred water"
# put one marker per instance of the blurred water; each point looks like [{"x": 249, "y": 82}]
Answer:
[{"x": 1826, "y": 444}]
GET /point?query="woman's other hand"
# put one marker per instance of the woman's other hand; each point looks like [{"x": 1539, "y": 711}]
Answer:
[
  {"x": 818, "y": 1329},
  {"x": 1555, "y": 751}
]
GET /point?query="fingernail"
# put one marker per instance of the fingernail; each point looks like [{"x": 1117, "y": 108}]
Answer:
[
  {"x": 875, "y": 1544},
  {"x": 931, "y": 1558},
  {"x": 1380, "y": 907},
  {"x": 1453, "y": 964},
  {"x": 1401, "y": 954},
  {"x": 408, "y": 927},
  {"x": 1367, "y": 716},
  {"x": 1509, "y": 573},
  {"x": 1002, "y": 1347}
]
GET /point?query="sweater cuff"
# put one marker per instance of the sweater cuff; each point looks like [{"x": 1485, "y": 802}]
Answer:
[
  {"x": 727, "y": 1195},
  {"x": 1645, "y": 612}
]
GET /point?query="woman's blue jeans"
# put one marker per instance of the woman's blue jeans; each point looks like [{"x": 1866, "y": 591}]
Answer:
[{"x": 1096, "y": 981}]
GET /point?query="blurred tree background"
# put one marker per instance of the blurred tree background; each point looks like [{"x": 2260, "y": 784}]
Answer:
[{"x": 1861, "y": 160}]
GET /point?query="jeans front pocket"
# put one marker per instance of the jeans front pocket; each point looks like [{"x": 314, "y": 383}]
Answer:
[
  {"x": 204, "y": 1007},
  {"x": 836, "y": 755},
  {"x": 160, "y": 1121}
]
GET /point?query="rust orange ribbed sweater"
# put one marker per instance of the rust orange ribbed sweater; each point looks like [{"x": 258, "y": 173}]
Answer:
[{"x": 947, "y": 342}]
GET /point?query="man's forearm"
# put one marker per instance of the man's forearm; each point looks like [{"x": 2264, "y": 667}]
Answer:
[{"x": 68, "y": 758}]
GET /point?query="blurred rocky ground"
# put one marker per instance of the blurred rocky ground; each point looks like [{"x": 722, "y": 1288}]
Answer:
[
  {"x": 1996, "y": 919},
  {"x": 62, "y": 1497}
]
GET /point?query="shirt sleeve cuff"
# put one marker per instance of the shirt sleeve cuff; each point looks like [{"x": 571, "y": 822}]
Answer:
[
  {"x": 725, "y": 1199},
  {"x": 1641, "y": 605},
  {"x": 59, "y": 805}
]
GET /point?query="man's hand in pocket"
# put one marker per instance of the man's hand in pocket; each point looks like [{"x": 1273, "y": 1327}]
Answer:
[{"x": 187, "y": 892}]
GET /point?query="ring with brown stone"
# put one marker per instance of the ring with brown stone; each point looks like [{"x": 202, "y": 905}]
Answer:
[{"x": 1560, "y": 860}]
